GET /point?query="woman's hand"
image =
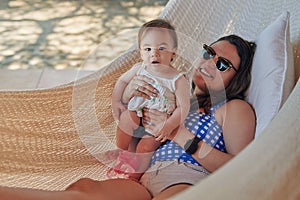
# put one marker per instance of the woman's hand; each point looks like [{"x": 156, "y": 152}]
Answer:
[
  {"x": 152, "y": 117},
  {"x": 139, "y": 86},
  {"x": 156, "y": 122},
  {"x": 163, "y": 132}
]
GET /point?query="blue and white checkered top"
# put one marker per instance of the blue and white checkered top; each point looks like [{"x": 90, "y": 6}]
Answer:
[{"x": 202, "y": 125}]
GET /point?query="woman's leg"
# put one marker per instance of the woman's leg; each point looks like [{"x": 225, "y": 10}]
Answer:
[
  {"x": 7, "y": 193},
  {"x": 83, "y": 189},
  {"x": 171, "y": 191}
]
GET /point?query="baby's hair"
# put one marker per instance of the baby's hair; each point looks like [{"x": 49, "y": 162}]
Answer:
[{"x": 158, "y": 23}]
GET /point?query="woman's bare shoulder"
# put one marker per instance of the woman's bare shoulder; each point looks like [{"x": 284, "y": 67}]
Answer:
[
  {"x": 239, "y": 122},
  {"x": 236, "y": 112},
  {"x": 238, "y": 105}
]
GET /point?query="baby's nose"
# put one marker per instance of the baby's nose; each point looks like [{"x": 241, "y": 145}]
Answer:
[{"x": 155, "y": 52}]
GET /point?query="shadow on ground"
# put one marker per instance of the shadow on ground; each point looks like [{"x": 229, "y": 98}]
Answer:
[{"x": 60, "y": 34}]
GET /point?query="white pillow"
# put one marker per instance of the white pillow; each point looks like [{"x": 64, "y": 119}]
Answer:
[{"x": 272, "y": 71}]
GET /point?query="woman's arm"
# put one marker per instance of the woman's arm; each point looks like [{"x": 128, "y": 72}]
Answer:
[
  {"x": 238, "y": 124},
  {"x": 209, "y": 157}
]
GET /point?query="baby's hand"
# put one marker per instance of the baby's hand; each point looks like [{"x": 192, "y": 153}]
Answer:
[{"x": 117, "y": 109}]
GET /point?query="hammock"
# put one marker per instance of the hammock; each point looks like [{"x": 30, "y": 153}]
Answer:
[{"x": 51, "y": 138}]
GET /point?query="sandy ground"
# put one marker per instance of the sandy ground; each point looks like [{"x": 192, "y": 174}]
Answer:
[{"x": 58, "y": 34}]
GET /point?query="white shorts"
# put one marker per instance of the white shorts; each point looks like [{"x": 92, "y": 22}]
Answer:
[{"x": 164, "y": 174}]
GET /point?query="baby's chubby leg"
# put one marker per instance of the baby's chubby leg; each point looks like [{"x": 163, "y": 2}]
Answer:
[
  {"x": 129, "y": 121},
  {"x": 144, "y": 152}
]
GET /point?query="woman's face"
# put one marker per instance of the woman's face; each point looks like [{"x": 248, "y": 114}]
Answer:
[{"x": 207, "y": 77}]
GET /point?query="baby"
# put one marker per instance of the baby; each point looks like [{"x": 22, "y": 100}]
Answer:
[{"x": 157, "y": 42}]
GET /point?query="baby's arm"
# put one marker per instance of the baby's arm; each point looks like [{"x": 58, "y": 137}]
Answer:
[
  {"x": 182, "y": 94},
  {"x": 117, "y": 105}
]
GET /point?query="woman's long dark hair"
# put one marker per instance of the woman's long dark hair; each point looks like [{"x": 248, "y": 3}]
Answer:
[{"x": 238, "y": 86}]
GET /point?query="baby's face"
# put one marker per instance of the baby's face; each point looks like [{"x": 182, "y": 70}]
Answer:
[{"x": 157, "y": 47}]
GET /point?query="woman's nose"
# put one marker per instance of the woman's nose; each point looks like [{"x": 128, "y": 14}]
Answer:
[
  {"x": 215, "y": 59},
  {"x": 210, "y": 63},
  {"x": 213, "y": 62}
]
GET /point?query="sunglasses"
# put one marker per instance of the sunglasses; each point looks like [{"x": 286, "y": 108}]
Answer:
[{"x": 222, "y": 64}]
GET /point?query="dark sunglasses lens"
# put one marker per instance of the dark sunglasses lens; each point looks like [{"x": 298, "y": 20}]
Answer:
[
  {"x": 222, "y": 65},
  {"x": 206, "y": 55},
  {"x": 207, "y": 52}
]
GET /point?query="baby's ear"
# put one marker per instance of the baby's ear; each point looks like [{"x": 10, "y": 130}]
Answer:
[{"x": 173, "y": 56}]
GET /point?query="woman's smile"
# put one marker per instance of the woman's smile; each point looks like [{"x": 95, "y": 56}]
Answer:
[{"x": 205, "y": 72}]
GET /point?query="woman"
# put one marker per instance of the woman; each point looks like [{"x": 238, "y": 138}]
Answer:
[{"x": 222, "y": 121}]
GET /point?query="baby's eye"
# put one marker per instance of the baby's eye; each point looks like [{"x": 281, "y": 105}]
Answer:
[
  {"x": 147, "y": 49},
  {"x": 161, "y": 48}
]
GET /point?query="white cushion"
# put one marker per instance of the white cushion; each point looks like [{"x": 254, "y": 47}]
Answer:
[{"x": 272, "y": 71}]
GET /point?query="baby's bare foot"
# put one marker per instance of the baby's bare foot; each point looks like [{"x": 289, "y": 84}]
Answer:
[
  {"x": 108, "y": 157},
  {"x": 112, "y": 154}
]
